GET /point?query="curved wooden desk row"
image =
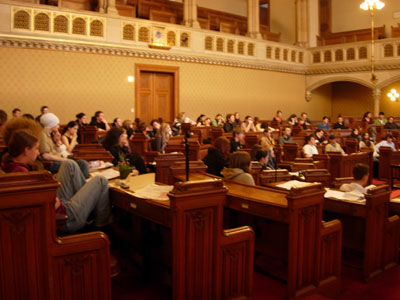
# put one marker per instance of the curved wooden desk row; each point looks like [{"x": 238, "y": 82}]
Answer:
[
  {"x": 207, "y": 262},
  {"x": 289, "y": 229},
  {"x": 35, "y": 262}
]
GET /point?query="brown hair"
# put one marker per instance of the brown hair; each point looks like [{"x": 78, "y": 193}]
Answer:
[
  {"x": 240, "y": 160},
  {"x": 236, "y": 132},
  {"x": 223, "y": 145},
  {"x": 360, "y": 170},
  {"x": 31, "y": 126},
  {"x": 19, "y": 140},
  {"x": 161, "y": 132}
]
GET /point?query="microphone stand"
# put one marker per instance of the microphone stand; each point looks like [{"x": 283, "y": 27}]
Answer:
[{"x": 187, "y": 135}]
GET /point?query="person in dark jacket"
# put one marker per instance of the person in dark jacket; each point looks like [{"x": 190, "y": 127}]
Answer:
[
  {"x": 230, "y": 123},
  {"x": 217, "y": 157},
  {"x": 237, "y": 137},
  {"x": 116, "y": 141}
]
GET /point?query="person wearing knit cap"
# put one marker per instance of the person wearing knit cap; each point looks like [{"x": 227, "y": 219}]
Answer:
[{"x": 47, "y": 148}]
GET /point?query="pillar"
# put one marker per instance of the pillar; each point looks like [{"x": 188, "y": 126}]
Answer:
[
  {"x": 253, "y": 19},
  {"x": 302, "y": 36},
  {"x": 111, "y": 8},
  {"x": 377, "y": 101},
  {"x": 190, "y": 14}
]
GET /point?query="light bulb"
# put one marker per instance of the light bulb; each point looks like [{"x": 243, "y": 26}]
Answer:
[{"x": 131, "y": 78}]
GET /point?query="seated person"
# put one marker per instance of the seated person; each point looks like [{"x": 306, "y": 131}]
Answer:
[
  {"x": 70, "y": 136},
  {"x": 75, "y": 197},
  {"x": 309, "y": 149},
  {"x": 367, "y": 118},
  {"x": 155, "y": 126},
  {"x": 339, "y": 124},
  {"x": 307, "y": 121},
  {"x": 117, "y": 123},
  {"x": 179, "y": 120},
  {"x": 116, "y": 141},
  {"x": 230, "y": 123},
  {"x": 286, "y": 136},
  {"x": 387, "y": 142},
  {"x": 237, "y": 138},
  {"x": 320, "y": 136},
  {"x": 263, "y": 158},
  {"x": 302, "y": 123},
  {"x": 333, "y": 146},
  {"x": 218, "y": 121},
  {"x": 367, "y": 143},
  {"x": 372, "y": 134},
  {"x": 81, "y": 121},
  {"x": 128, "y": 125},
  {"x": 162, "y": 138},
  {"x": 238, "y": 171},
  {"x": 200, "y": 120},
  {"x": 391, "y": 124},
  {"x": 48, "y": 150},
  {"x": 324, "y": 124},
  {"x": 258, "y": 124},
  {"x": 381, "y": 120},
  {"x": 248, "y": 125},
  {"x": 278, "y": 118},
  {"x": 238, "y": 122},
  {"x": 99, "y": 121},
  {"x": 218, "y": 156},
  {"x": 61, "y": 148},
  {"x": 361, "y": 175},
  {"x": 267, "y": 141},
  {"x": 292, "y": 121},
  {"x": 207, "y": 122},
  {"x": 355, "y": 134}
]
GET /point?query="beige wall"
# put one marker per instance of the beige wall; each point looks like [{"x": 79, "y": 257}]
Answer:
[
  {"x": 322, "y": 96},
  {"x": 387, "y": 106},
  {"x": 237, "y": 7},
  {"x": 347, "y": 15},
  {"x": 77, "y": 82},
  {"x": 351, "y": 99},
  {"x": 283, "y": 19}
]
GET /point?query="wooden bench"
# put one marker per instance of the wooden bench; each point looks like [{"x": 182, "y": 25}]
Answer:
[
  {"x": 207, "y": 262},
  {"x": 36, "y": 263},
  {"x": 387, "y": 157}
]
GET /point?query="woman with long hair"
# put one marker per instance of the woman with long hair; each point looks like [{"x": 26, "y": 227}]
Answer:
[
  {"x": 162, "y": 137},
  {"x": 70, "y": 136},
  {"x": 218, "y": 156},
  {"x": 116, "y": 141}
]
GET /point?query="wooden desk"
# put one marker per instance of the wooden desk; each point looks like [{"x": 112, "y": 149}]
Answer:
[
  {"x": 370, "y": 237},
  {"x": 291, "y": 231},
  {"x": 207, "y": 261}
]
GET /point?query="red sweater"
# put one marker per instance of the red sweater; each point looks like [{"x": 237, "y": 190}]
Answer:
[{"x": 12, "y": 167}]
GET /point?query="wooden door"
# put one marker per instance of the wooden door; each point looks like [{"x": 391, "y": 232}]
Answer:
[{"x": 156, "y": 95}]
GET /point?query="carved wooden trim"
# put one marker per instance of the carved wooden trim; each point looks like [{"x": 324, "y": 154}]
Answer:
[{"x": 17, "y": 219}]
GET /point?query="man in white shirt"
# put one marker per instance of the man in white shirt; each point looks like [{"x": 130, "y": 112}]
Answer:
[
  {"x": 387, "y": 142},
  {"x": 360, "y": 174},
  {"x": 309, "y": 149}
]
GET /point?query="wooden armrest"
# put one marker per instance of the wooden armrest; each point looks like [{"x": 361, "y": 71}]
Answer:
[{"x": 61, "y": 220}]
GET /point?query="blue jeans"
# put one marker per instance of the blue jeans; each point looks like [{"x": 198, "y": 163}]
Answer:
[
  {"x": 80, "y": 198},
  {"x": 83, "y": 165}
]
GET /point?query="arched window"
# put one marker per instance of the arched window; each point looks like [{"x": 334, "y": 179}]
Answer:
[
  {"x": 79, "y": 26},
  {"x": 316, "y": 57},
  {"x": 388, "y": 50},
  {"x": 277, "y": 53},
  {"x": 171, "y": 38},
  {"x": 250, "y": 49},
  {"x": 269, "y": 52},
  {"x": 42, "y": 22},
  {"x": 185, "y": 40},
  {"x": 351, "y": 54},
  {"x": 144, "y": 34},
  {"x": 293, "y": 56},
  {"x": 339, "y": 55},
  {"x": 208, "y": 43},
  {"x": 21, "y": 20},
  {"x": 328, "y": 56},
  {"x": 362, "y": 53},
  {"x": 231, "y": 46},
  {"x": 96, "y": 28},
  {"x": 220, "y": 44},
  {"x": 285, "y": 54},
  {"x": 241, "y": 48},
  {"x": 128, "y": 33},
  {"x": 61, "y": 24}
]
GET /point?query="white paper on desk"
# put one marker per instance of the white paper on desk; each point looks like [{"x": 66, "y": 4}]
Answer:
[
  {"x": 154, "y": 191},
  {"x": 109, "y": 174},
  {"x": 294, "y": 174},
  {"x": 294, "y": 184},
  {"x": 345, "y": 196},
  {"x": 100, "y": 165}
]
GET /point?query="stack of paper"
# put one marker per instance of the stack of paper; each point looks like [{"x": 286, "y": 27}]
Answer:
[
  {"x": 154, "y": 191},
  {"x": 294, "y": 184},
  {"x": 109, "y": 174},
  {"x": 345, "y": 196}
]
